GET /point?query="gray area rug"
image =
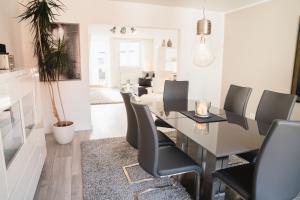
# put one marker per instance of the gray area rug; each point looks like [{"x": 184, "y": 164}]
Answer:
[{"x": 103, "y": 176}]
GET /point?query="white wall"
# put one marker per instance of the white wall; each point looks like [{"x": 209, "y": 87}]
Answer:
[
  {"x": 204, "y": 82},
  {"x": 10, "y": 30},
  {"x": 259, "y": 49}
]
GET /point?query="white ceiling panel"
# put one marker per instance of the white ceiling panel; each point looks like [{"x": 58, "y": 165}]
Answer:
[{"x": 213, "y": 5}]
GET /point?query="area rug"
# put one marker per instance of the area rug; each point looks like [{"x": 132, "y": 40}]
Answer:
[
  {"x": 103, "y": 176},
  {"x": 100, "y": 95}
]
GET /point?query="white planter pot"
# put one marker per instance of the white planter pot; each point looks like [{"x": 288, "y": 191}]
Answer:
[{"x": 64, "y": 134}]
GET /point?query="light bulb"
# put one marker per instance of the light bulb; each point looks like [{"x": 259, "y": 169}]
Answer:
[{"x": 202, "y": 53}]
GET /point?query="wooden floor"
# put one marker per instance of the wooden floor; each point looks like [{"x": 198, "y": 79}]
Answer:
[{"x": 61, "y": 175}]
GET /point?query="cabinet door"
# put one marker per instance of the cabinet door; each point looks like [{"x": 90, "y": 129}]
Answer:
[
  {"x": 3, "y": 179},
  {"x": 11, "y": 132}
]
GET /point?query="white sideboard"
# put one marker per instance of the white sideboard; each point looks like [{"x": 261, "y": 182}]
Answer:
[{"x": 22, "y": 141}]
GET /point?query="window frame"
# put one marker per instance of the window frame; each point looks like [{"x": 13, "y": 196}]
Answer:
[{"x": 130, "y": 67}]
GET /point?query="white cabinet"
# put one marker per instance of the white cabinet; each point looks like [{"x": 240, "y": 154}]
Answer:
[{"x": 22, "y": 141}]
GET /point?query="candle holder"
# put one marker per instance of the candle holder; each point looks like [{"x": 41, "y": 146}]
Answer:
[{"x": 202, "y": 108}]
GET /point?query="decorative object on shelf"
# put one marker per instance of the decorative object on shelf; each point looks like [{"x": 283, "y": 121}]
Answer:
[
  {"x": 163, "y": 44},
  {"x": 202, "y": 108},
  {"x": 202, "y": 53},
  {"x": 53, "y": 57},
  {"x": 11, "y": 62},
  {"x": 296, "y": 75},
  {"x": 169, "y": 43}
]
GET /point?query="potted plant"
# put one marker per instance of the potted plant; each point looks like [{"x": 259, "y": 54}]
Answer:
[{"x": 52, "y": 58}]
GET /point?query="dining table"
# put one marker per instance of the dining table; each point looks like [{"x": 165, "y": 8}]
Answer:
[{"x": 210, "y": 144}]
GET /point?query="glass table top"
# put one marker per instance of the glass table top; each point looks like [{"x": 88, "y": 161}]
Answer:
[
  {"x": 171, "y": 109},
  {"x": 222, "y": 138},
  {"x": 236, "y": 135}
]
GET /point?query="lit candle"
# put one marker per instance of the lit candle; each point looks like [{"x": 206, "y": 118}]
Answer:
[{"x": 202, "y": 109}]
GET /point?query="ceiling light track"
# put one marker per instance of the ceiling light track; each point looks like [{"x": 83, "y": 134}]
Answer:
[{"x": 123, "y": 30}]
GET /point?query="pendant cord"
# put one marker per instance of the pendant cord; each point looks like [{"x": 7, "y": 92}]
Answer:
[{"x": 203, "y": 11}]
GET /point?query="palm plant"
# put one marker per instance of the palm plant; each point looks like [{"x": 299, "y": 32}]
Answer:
[{"x": 51, "y": 53}]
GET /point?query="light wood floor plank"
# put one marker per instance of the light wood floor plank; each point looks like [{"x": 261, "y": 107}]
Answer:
[{"x": 61, "y": 177}]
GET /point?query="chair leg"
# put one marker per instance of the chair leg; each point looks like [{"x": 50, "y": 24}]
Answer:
[
  {"x": 230, "y": 194},
  {"x": 197, "y": 185},
  {"x": 128, "y": 177},
  {"x": 198, "y": 179},
  {"x": 138, "y": 193}
]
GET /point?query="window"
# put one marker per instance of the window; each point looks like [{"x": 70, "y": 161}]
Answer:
[
  {"x": 99, "y": 60},
  {"x": 130, "y": 54}
]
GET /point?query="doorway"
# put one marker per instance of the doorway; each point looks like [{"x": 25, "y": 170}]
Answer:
[
  {"x": 119, "y": 55},
  {"x": 102, "y": 91}
]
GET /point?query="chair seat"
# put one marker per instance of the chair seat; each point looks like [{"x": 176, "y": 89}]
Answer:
[
  {"x": 249, "y": 156},
  {"x": 160, "y": 123},
  {"x": 239, "y": 178},
  {"x": 173, "y": 161},
  {"x": 164, "y": 140}
]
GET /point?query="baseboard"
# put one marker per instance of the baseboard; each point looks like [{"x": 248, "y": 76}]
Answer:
[{"x": 88, "y": 128}]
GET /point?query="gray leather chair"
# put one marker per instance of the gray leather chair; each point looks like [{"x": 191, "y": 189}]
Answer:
[
  {"x": 276, "y": 175},
  {"x": 237, "y": 99},
  {"x": 132, "y": 126},
  {"x": 160, "y": 161},
  {"x": 272, "y": 106},
  {"x": 174, "y": 91}
]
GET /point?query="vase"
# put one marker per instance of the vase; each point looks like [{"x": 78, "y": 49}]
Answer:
[
  {"x": 169, "y": 43},
  {"x": 64, "y": 134}
]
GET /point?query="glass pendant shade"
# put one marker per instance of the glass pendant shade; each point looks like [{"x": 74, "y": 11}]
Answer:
[{"x": 202, "y": 53}]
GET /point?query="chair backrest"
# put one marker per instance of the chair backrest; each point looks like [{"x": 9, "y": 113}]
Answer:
[
  {"x": 237, "y": 119},
  {"x": 277, "y": 175},
  {"x": 176, "y": 90},
  {"x": 181, "y": 105},
  {"x": 237, "y": 99},
  {"x": 148, "y": 141},
  {"x": 132, "y": 127},
  {"x": 274, "y": 105}
]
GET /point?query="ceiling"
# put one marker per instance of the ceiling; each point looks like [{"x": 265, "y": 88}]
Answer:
[{"x": 213, "y": 5}]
